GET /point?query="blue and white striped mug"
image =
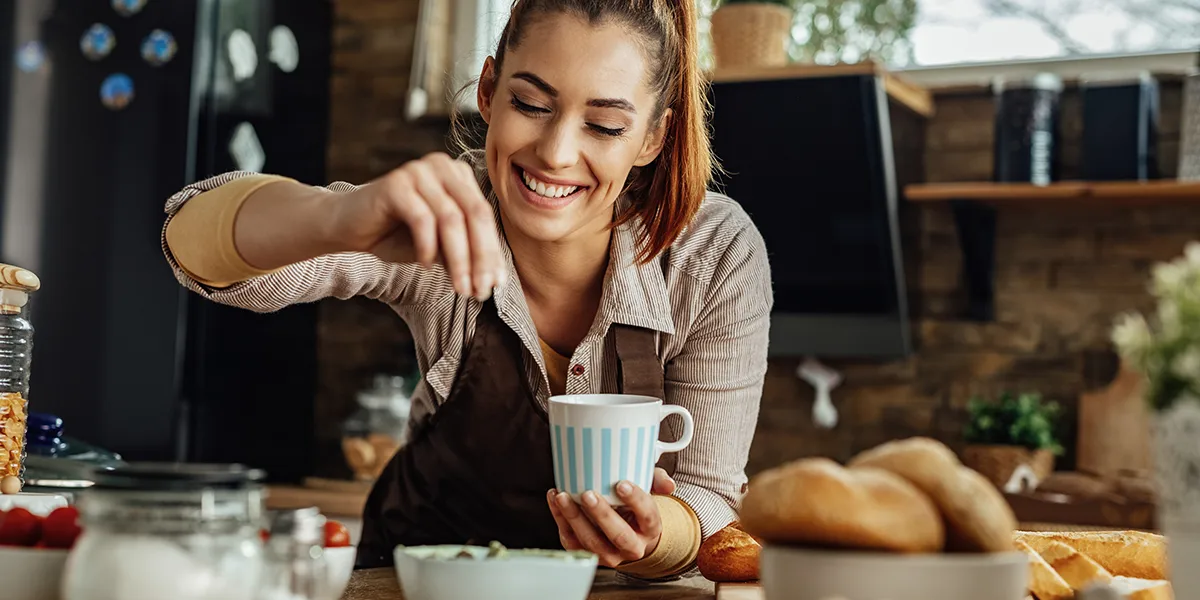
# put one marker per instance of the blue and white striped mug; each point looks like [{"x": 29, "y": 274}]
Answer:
[{"x": 598, "y": 440}]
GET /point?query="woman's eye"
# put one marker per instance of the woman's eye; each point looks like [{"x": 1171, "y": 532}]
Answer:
[
  {"x": 608, "y": 131},
  {"x": 528, "y": 108}
]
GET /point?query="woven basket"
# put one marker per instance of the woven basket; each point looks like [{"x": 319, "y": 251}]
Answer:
[
  {"x": 998, "y": 463},
  {"x": 750, "y": 34}
]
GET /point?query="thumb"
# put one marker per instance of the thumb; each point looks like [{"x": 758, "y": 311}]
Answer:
[{"x": 663, "y": 484}]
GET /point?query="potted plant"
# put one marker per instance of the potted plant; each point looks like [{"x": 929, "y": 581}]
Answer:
[
  {"x": 1165, "y": 349},
  {"x": 751, "y": 33},
  {"x": 1012, "y": 440}
]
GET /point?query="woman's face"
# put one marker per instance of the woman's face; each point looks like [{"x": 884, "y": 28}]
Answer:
[{"x": 568, "y": 117}]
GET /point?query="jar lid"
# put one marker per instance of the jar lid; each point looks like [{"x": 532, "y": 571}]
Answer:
[
  {"x": 15, "y": 285},
  {"x": 150, "y": 476}
]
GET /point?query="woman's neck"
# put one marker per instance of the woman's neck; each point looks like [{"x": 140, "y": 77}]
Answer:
[{"x": 563, "y": 283}]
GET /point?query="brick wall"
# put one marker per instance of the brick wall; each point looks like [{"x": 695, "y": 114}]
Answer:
[{"x": 1061, "y": 273}]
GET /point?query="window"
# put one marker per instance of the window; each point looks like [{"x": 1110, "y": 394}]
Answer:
[{"x": 454, "y": 37}]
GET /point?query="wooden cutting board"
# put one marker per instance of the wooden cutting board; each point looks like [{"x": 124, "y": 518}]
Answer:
[
  {"x": 739, "y": 591},
  {"x": 1114, "y": 427}
]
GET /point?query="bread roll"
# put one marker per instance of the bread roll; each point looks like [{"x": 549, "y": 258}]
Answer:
[
  {"x": 977, "y": 518},
  {"x": 816, "y": 501},
  {"x": 729, "y": 555},
  {"x": 1131, "y": 554}
]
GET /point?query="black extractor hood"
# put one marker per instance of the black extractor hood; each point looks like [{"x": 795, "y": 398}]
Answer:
[{"x": 810, "y": 159}]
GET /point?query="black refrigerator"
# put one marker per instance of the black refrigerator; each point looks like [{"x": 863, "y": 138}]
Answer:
[{"x": 114, "y": 105}]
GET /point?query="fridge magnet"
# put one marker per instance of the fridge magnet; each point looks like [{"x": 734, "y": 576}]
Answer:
[
  {"x": 285, "y": 52},
  {"x": 159, "y": 48},
  {"x": 128, "y": 8},
  {"x": 31, "y": 56},
  {"x": 98, "y": 41},
  {"x": 117, "y": 91},
  {"x": 243, "y": 56},
  {"x": 246, "y": 150}
]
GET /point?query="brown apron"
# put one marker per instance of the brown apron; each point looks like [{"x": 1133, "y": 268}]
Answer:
[{"x": 479, "y": 468}]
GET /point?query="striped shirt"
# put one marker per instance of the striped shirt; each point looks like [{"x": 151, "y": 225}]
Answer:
[{"x": 708, "y": 298}]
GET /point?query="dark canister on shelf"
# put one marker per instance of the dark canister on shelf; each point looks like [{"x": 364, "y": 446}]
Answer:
[
  {"x": 1120, "y": 127},
  {"x": 1027, "y": 145}
]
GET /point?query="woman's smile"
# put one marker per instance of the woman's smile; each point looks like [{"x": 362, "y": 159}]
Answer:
[{"x": 546, "y": 192}]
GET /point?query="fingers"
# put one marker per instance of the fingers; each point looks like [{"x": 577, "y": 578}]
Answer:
[
  {"x": 585, "y": 532},
  {"x": 621, "y": 536},
  {"x": 451, "y": 226},
  {"x": 565, "y": 534},
  {"x": 487, "y": 269},
  {"x": 663, "y": 484}
]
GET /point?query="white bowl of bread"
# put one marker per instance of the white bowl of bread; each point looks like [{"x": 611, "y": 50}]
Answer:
[{"x": 907, "y": 521}]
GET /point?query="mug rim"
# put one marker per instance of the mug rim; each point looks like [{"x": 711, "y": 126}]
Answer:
[{"x": 637, "y": 400}]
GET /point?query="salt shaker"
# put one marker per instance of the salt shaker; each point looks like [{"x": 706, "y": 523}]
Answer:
[{"x": 295, "y": 557}]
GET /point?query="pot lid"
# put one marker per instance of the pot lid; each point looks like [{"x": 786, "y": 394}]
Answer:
[{"x": 151, "y": 476}]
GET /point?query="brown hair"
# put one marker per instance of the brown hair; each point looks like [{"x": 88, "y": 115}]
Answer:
[{"x": 666, "y": 193}]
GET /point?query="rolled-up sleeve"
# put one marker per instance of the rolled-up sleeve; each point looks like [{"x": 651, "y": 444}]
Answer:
[
  {"x": 718, "y": 377},
  {"x": 340, "y": 275}
]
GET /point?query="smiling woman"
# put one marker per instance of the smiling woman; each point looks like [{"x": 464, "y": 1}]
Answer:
[{"x": 577, "y": 252}]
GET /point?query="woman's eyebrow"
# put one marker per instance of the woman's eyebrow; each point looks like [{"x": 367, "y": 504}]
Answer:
[{"x": 539, "y": 83}]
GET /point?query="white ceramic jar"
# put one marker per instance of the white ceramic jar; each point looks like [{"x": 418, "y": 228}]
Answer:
[{"x": 179, "y": 531}]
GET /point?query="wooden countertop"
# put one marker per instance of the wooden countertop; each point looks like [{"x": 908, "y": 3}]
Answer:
[
  {"x": 381, "y": 584},
  {"x": 1087, "y": 193}
]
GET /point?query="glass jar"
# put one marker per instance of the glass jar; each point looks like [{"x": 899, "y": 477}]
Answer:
[
  {"x": 295, "y": 557},
  {"x": 181, "y": 531},
  {"x": 377, "y": 429},
  {"x": 16, "y": 349}
]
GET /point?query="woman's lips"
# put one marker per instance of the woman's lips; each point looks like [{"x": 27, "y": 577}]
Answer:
[{"x": 539, "y": 200}]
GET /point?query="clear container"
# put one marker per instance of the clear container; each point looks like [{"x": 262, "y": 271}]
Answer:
[
  {"x": 16, "y": 350},
  {"x": 378, "y": 428},
  {"x": 180, "y": 531},
  {"x": 295, "y": 558}
]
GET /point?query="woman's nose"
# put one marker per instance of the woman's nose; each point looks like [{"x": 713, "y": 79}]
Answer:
[{"x": 558, "y": 148}]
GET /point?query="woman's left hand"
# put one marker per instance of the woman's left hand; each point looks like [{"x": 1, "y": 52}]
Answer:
[{"x": 616, "y": 536}]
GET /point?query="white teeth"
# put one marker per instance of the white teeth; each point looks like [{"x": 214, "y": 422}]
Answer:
[{"x": 549, "y": 191}]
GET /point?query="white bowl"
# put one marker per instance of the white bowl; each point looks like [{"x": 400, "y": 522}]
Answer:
[
  {"x": 436, "y": 573},
  {"x": 816, "y": 574},
  {"x": 339, "y": 566},
  {"x": 31, "y": 573}
]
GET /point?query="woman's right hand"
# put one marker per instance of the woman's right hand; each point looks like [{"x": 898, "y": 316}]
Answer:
[{"x": 428, "y": 210}]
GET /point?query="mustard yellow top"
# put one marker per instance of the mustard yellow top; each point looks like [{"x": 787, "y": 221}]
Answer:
[{"x": 201, "y": 239}]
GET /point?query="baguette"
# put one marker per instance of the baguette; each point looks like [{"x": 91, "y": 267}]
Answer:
[
  {"x": 816, "y": 501},
  {"x": 1142, "y": 589},
  {"x": 1078, "y": 570},
  {"x": 729, "y": 555},
  {"x": 1044, "y": 582},
  {"x": 1133, "y": 554}
]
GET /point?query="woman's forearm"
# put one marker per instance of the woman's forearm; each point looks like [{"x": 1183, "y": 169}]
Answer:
[
  {"x": 285, "y": 222},
  {"x": 247, "y": 227}
]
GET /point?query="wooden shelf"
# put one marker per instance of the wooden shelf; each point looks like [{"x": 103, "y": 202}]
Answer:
[
  {"x": 907, "y": 93},
  {"x": 1104, "y": 192}
]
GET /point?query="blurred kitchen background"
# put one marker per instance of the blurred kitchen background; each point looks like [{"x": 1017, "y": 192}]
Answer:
[{"x": 903, "y": 299}]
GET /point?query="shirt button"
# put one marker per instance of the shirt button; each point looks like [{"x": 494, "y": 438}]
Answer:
[{"x": 577, "y": 370}]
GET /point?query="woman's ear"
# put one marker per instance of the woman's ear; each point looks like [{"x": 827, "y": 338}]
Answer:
[
  {"x": 486, "y": 89},
  {"x": 653, "y": 145}
]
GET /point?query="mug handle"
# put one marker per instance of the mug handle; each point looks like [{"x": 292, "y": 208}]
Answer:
[{"x": 685, "y": 438}]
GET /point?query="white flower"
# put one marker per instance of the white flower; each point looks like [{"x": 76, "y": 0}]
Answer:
[
  {"x": 1187, "y": 365},
  {"x": 1131, "y": 335},
  {"x": 1169, "y": 276},
  {"x": 1192, "y": 253},
  {"x": 1168, "y": 319}
]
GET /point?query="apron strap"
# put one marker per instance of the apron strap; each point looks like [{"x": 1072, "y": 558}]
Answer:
[{"x": 639, "y": 370}]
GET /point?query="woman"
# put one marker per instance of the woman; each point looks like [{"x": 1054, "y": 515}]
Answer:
[{"x": 613, "y": 270}]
